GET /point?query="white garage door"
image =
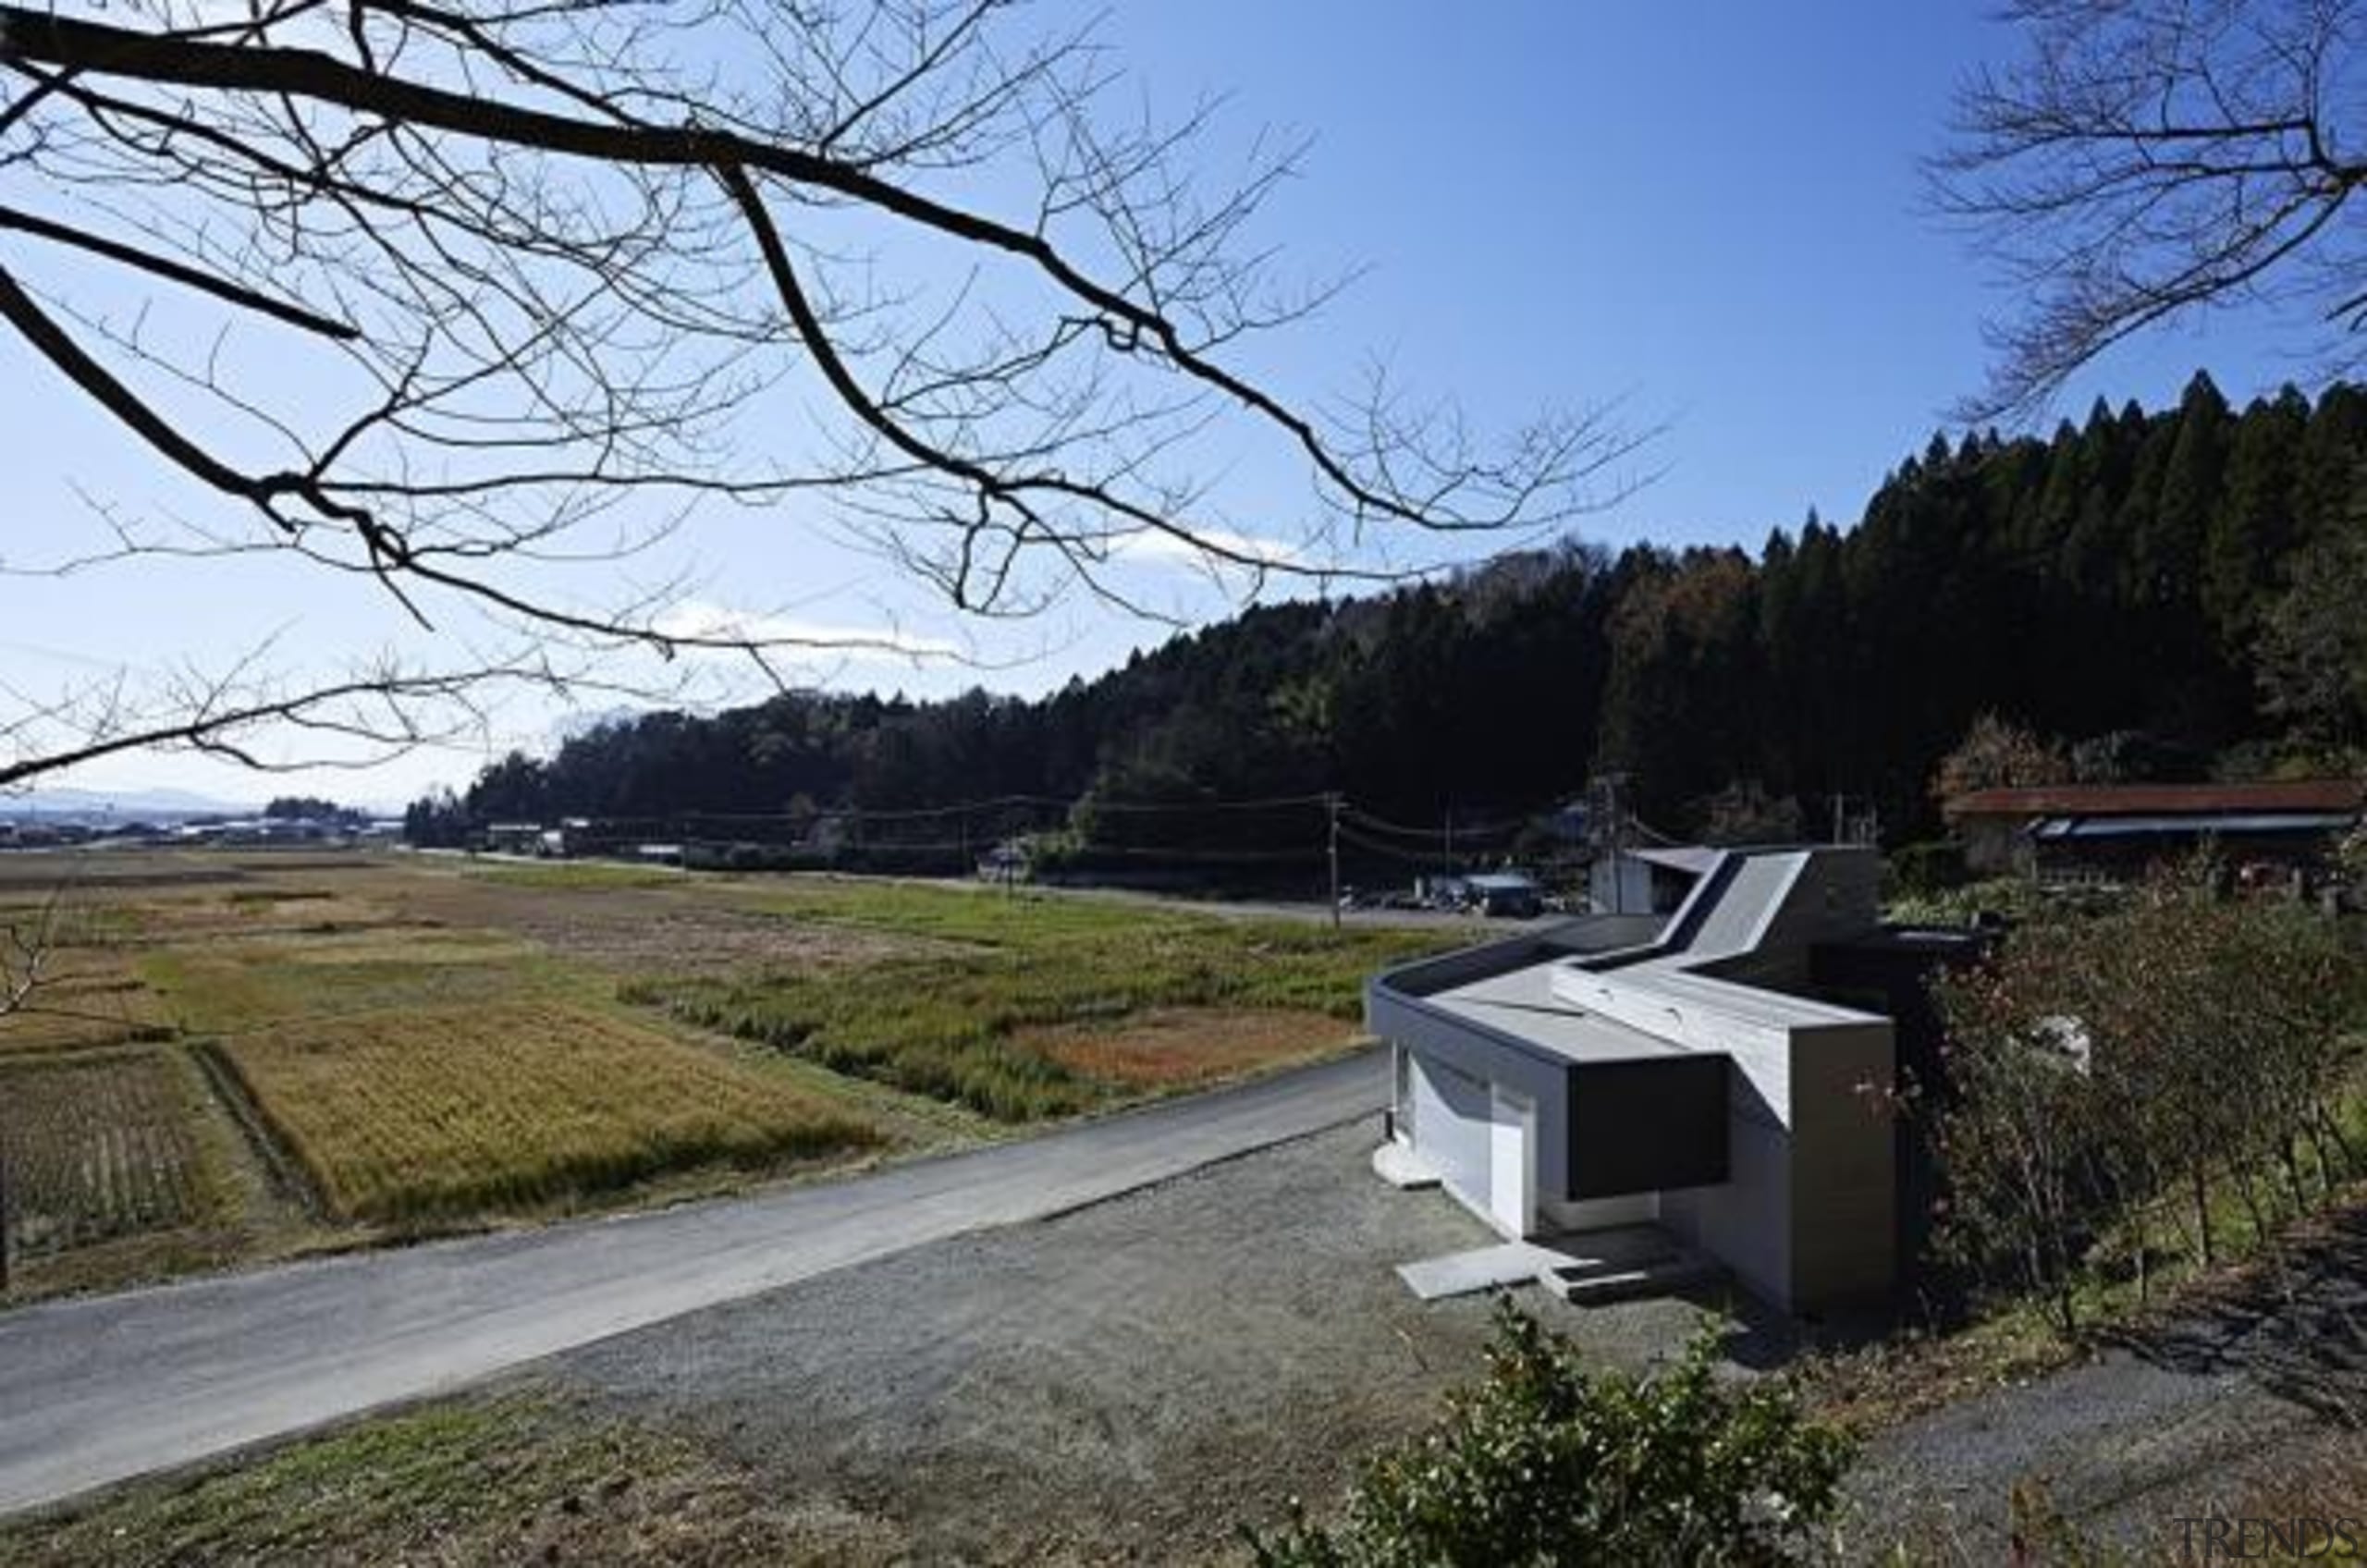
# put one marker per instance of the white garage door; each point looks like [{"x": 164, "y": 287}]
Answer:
[
  {"x": 1510, "y": 1133},
  {"x": 1452, "y": 1128}
]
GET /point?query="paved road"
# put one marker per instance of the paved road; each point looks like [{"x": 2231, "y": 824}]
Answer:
[{"x": 95, "y": 1391}]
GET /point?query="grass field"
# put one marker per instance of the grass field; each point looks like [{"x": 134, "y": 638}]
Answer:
[
  {"x": 426, "y": 1113},
  {"x": 1003, "y": 1021},
  {"x": 102, "y": 1146},
  {"x": 253, "y": 1053}
]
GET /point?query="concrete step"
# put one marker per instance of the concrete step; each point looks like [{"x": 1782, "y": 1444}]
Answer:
[{"x": 1596, "y": 1285}]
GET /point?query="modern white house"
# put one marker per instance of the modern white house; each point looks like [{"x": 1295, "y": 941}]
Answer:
[{"x": 1670, "y": 1070}]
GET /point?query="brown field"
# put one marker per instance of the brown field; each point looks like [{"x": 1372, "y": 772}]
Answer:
[
  {"x": 245, "y": 1054},
  {"x": 1178, "y": 1048},
  {"x": 100, "y": 1146},
  {"x": 92, "y": 996},
  {"x": 438, "y": 1112},
  {"x": 664, "y": 922}
]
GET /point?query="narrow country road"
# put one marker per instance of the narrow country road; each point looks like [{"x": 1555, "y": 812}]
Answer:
[{"x": 98, "y": 1390}]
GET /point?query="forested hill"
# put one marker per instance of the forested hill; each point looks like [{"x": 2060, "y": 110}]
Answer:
[{"x": 2180, "y": 590}]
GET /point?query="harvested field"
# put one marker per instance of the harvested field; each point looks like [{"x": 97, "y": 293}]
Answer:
[
  {"x": 422, "y": 1114},
  {"x": 1180, "y": 1048},
  {"x": 26, "y": 876},
  {"x": 998, "y": 1023},
  {"x": 648, "y": 922},
  {"x": 227, "y": 988},
  {"x": 100, "y": 1146},
  {"x": 91, "y": 997},
  {"x": 424, "y": 1041}
]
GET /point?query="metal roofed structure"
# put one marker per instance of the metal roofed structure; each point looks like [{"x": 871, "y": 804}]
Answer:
[
  {"x": 2122, "y": 826},
  {"x": 1670, "y": 1071}
]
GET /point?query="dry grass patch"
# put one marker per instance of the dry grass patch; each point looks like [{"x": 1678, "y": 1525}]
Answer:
[
  {"x": 438, "y": 1112},
  {"x": 1177, "y": 1047},
  {"x": 102, "y": 1146},
  {"x": 466, "y": 1484},
  {"x": 649, "y": 922}
]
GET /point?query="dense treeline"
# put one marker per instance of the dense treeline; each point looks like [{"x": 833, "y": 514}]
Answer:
[{"x": 2178, "y": 588}]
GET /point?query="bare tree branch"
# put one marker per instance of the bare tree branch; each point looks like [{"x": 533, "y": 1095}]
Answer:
[
  {"x": 537, "y": 265},
  {"x": 2148, "y": 160}
]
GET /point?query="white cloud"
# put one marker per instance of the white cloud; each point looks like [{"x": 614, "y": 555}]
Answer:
[
  {"x": 1154, "y": 545},
  {"x": 795, "y": 636}
]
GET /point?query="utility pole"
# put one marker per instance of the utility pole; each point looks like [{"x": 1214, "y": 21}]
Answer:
[
  {"x": 1840, "y": 805},
  {"x": 1606, "y": 825},
  {"x": 1331, "y": 811}
]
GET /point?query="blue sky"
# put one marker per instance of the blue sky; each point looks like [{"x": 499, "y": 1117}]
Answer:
[{"x": 1710, "y": 211}]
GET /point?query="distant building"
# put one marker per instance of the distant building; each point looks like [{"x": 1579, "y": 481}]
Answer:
[
  {"x": 514, "y": 838},
  {"x": 2121, "y": 829}
]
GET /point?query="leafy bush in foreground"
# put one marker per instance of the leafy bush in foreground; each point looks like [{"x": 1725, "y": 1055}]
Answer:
[{"x": 1547, "y": 1463}]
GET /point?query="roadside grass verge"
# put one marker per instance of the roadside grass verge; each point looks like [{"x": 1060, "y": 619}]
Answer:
[
  {"x": 410, "y": 1116},
  {"x": 994, "y": 1024},
  {"x": 463, "y": 1483}
]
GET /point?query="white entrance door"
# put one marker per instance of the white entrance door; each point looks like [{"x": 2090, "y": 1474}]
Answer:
[{"x": 1512, "y": 1193}]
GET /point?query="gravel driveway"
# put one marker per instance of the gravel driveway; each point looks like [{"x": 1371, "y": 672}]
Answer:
[{"x": 1127, "y": 1381}]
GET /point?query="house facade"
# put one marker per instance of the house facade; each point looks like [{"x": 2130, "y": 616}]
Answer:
[{"x": 1670, "y": 1070}]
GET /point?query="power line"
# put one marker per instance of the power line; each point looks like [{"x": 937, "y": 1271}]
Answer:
[{"x": 1460, "y": 830}]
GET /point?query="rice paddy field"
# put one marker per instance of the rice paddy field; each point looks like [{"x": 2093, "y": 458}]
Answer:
[
  {"x": 237, "y": 1056},
  {"x": 455, "y": 1110},
  {"x": 101, "y": 1146},
  {"x": 1044, "y": 1007}
]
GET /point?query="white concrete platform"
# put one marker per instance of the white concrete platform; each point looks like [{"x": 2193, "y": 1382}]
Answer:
[
  {"x": 1482, "y": 1269},
  {"x": 1584, "y": 1268},
  {"x": 1402, "y": 1167}
]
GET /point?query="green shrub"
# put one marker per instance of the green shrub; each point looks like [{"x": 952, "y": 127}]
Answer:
[{"x": 1546, "y": 1463}]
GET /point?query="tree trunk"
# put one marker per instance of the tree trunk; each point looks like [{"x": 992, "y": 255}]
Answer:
[
  {"x": 2330, "y": 1128},
  {"x": 2202, "y": 1189},
  {"x": 2252, "y": 1201},
  {"x": 2289, "y": 1155}
]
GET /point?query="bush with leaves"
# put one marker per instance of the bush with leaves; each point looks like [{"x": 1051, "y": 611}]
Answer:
[
  {"x": 1548, "y": 1461},
  {"x": 2147, "y": 1063}
]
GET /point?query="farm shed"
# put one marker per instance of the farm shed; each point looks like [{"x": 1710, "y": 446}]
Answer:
[
  {"x": 2123, "y": 827},
  {"x": 1674, "y": 1070},
  {"x": 514, "y": 838}
]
